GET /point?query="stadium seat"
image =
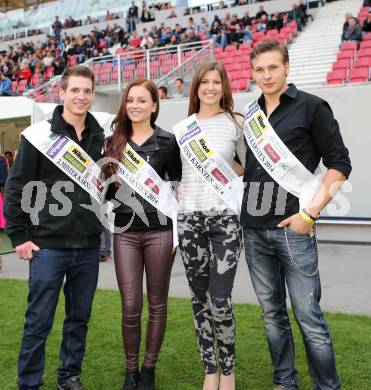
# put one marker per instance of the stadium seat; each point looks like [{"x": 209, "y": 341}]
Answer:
[
  {"x": 347, "y": 54},
  {"x": 105, "y": 76},
  {"x": 239, "y": 85},
  {"x": 367, "y": 37},
  {"x": 359, "y": 75},
  {"x": 363, "y": 62},
  {"x": 49, "y": 72},
  {"x": 337, "y": 76},
  {"x": 14, "y": 87},
  {"x": 36, "y": 79},
  {"x": 364, "y": 53},
  {"x": 348, "y": 46},
  {"x": 22, "y": 86},
  {"x": 342, "y": 64},
  {"x": 365, "y": 45}
]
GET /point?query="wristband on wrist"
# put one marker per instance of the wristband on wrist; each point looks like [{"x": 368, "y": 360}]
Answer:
[
  {"x": 306, "y": 217},
  {"x": 314, "y": 219}
]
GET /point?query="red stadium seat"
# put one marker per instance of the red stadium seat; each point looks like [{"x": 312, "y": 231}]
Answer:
[
  {"x": 245, "y": 47},
  {"x": 367, "y": 37},
  {"x": 348, "y": 46},
  {"x": 239, "y": 85},
  {"x": 359, "y": 75},
  {"x": 363, "y": 62},
  {"x": 49, "y": 72},
  {"x": 36, "y": 79},
  {"x": 365, "y": 45},
  {"x": 14, "y": 86},
  {"x": 337, "y": 76},
  {"x": 342, "y": 64},
  {"x": 230, "y": 48},
  {"x": 105, "y": 77},
  {"x": 342, "y": 55},
  {"x": 22, "y": 86},
  {"x": 364, "y": 53}
]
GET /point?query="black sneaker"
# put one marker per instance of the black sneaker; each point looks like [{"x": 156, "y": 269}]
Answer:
[
  {"x": 147, "y": 379},
  {"x": 73, "y": 383},
  {"x": 131, "y": 380}
]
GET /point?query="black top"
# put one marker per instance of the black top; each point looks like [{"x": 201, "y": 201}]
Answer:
[
  {"x": 162, "y": 152},
  {"x": 305, "y": 123},
  {"x": 74, "y": 228}
]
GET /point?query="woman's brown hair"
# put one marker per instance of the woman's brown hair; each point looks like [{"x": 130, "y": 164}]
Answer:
[
  {"x": 121, "y": 125},
  {"x": 226, "y": 102}
]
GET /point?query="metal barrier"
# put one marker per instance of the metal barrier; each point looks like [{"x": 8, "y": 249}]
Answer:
[{"x": 113, "y": 72}]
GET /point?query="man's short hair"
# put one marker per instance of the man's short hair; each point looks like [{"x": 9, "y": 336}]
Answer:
[
  {"x": 163, "y": 89},
  {"x": 8, "y": 153},
  {"x": 79, "y": 71},
  {"x": 270, "y": 45},
  {"x": 181, "y": 80}
]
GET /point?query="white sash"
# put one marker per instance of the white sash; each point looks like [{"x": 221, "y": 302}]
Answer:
[
  {"x": 208, "y": 163},
  {"x": 275, "y": 157},
  {"x": 69, "y": 157},
  {"x": 145, "y": 181}
]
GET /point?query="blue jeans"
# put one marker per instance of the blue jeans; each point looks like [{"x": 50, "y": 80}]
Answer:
[
  {"x": 47, "y": 270},
  {"x": 272, "y": 266}
]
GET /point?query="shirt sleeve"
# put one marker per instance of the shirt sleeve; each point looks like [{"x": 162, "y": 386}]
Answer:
[
  {"x": 174, "y": 163},
  {"x": 328, "y": 139}
]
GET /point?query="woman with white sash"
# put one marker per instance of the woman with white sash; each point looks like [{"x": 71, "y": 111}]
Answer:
[
  {"x": 143, "y": 238},
  {"x": 209, "y": 231}
]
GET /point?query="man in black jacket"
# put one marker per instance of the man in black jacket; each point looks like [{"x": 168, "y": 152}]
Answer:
[
  {"x": 64, "y": 241},
  {"x": 280, "y": 243}
]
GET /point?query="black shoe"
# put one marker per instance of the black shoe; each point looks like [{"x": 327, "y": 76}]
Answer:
[
  {"x": 131, "y": 380},
  {"x": 147, "y": 379},
  {"x": 72, "y": 384}
]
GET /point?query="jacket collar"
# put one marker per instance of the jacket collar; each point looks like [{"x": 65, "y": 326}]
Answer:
[
  {"x": 290, "y": 92},
  {"x": 60, "y": 126}
]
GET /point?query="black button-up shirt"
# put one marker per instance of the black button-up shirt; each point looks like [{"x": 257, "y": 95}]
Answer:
[{"x": 305, "y": 123}]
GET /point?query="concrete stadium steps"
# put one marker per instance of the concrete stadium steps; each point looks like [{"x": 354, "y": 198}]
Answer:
[{"x": 314, "y": 50}]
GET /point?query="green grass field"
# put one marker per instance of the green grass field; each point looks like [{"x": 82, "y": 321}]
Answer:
[
  {"x": 179, "y": 367},
  {"x": 5, "y": 244}
]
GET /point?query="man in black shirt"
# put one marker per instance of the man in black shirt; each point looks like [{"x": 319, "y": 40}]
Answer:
[
  {"x": 64, "y": 240},
  {"x": 279, "y": 240}
]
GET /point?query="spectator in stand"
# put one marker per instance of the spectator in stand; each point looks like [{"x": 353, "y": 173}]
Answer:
[
  {"x": 245, "y": 20},
  {"x": 347, "y": 16},
  {"x": 261, "y": 12},
  {"x": 215, "y": 32},
  {"x": 132, "y": 17},
  {"x": 366, "y": 27},
  {"x": 9, "y": 156},
  {"x": 5, "y": 85},
  {"x": 146, "y": 15},
  {"x": 57, "y": 27},
  {"x": 276, "y": 22},
  {"x": 147, "y": 41},
  {"x": 303, "y": 7},
  {"x": 162, "y": 93},
  {"x": 59, "y": 64},
  {"x": 295, "y": 14},
  {"x": 70, "y": 22},
  {"x": 262, "y": 24},
  {"x": 237, "y": 35},
  {"x": 192, "y": 37},
  {"x": 172, "y": 15},
  {"x": 179, "y": 88},
  {"x": 48, "y": 60},
  {"x": 204, "y": 26},
  {"x": 221, "y": 5},
  {"x": 248, "y": 35},
  {"x": 354, "y": 32}
]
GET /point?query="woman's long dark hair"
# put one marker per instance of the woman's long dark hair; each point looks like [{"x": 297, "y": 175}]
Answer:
[
  {"x": 121, "y": 125},
  {"x": 226, "y": 102}
]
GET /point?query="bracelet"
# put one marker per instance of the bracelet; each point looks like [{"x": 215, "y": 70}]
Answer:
[
  {"x": 306, "y": 217},
  {"x": 314, "y": 219}
]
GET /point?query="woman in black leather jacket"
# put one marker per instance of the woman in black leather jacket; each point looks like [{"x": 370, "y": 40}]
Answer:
[{"x": 145, "y": 240}]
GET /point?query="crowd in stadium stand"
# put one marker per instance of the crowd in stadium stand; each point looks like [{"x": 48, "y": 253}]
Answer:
[
  {"x": 36, "y": 63},
  {"x": 354, "y": 29}
]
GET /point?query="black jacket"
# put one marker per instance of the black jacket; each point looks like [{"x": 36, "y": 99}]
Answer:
[
  {"x": 80, "y": 228},
  {"x": 306, "y": 125},
  {"x": 162, "y": 152}
]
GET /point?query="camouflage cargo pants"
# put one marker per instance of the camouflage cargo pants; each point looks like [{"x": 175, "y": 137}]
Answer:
[{"x": 210, "y": 247}]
